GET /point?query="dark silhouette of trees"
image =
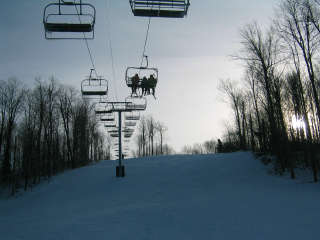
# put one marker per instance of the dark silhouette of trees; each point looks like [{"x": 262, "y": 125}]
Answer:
[
  {"x": 45, "y": 130},
  {"x": 161, "y": 129},
  {"x": 150, "y": 138},
  {"x": 207, "y": 147},
  {"x": 12, "y": 104},
  {"x": 277, "y": 107}
]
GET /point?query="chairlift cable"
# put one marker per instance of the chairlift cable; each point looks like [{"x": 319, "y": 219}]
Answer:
[
  {"x": 87, "y": 44},
  {"x": 111, "y": 53},
  {"x": 90, "y": 55}
]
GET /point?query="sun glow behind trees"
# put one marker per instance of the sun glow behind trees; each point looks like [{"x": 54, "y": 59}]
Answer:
[
  {"x": 277, "y": 108},
  {"x": 297, "y": 123}
]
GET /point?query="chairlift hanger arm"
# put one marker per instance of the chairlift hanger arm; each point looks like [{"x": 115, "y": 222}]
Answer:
[{"x": 147, "y": 61}]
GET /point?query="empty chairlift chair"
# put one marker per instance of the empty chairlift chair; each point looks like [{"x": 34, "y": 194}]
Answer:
[
  {"x": 130, "y": 124},
  {"x": 94, "y": 87},
  {"x": 136, "y": 104},
  {"x": 113, "y": 131},
  {"x": 133, "y": 116},
  {"x": 102, "y": 109},
  {"x": 128, "y": 130},
  {"x": 107, "y": 118},
  {"x": 127, "y": 135},
  {"x": 110, "y": 125},
  {"x": 69, "y": 20},
  {"x": 114, "y": 135},
  {"x": 160, "y": 8}
]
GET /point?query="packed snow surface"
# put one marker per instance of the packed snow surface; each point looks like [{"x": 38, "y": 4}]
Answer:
[{"x": 222, "y": 196}]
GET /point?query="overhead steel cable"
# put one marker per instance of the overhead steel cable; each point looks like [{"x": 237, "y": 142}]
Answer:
[
  {"x": 87, "y": 44},
  {"x": 111, "y": 53},
  {"x": 91, "y": 57}
]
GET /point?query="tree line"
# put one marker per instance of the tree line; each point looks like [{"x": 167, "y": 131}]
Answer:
[
  {"x": 150, "y": 138},
  {"x": 45, "y": 130},
  {"x": 276, "y": 106},
  {"x": 206, "y": 147}
]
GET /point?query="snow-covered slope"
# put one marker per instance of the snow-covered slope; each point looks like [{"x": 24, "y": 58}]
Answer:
[{"x": 223, "y": 196}]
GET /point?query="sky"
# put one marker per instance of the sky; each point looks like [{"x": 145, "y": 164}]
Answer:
[{"x": 192, "y": 54}]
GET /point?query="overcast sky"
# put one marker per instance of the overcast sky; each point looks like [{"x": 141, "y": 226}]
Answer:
[{"x": 192, "y": 54}]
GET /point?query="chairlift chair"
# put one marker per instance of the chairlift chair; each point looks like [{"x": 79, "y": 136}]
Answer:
[
  {"x": 128, "y": 130},
  {"x": 127, "y": 135},
  {"x": 160, "y": 8},
  {"x": 142, "y": 71},
  {"x": 130, "y": 124},
  {"x": 102, "y": 109},
  {"x": 133, "y": 116},
  {"x": 136, "y": 104},
  {"x": 107, "y": 118},
  {"x": 110, "y": 125},
  {"x": 113, "y": 131},
  {"x": 94, "y": 87},
  {"x": 69, "y": 20}
]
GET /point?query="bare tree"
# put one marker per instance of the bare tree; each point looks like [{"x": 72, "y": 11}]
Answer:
[
  {"x": 238, "y": 105},
  {"x": 151, "y": 133},
  {"x": 261, "y": 54},
  {"x": 150, "y": 137},
  {"x": 3, "y": 116},
  {"x": 298, "y": 26},
  {"x": 210, "y": 146},
  {"x": 13, "y": 97},
  {"x": 161, "y": 129},
  {"x": 66, "y": 101}
]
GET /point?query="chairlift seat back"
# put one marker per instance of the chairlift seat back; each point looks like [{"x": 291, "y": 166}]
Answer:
[
  {"x": 132, "y": 118},
  {"x": 130, "y": 124},
  {"x": 68, "y": 27},
  {"x": 160, "y": 8}
]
